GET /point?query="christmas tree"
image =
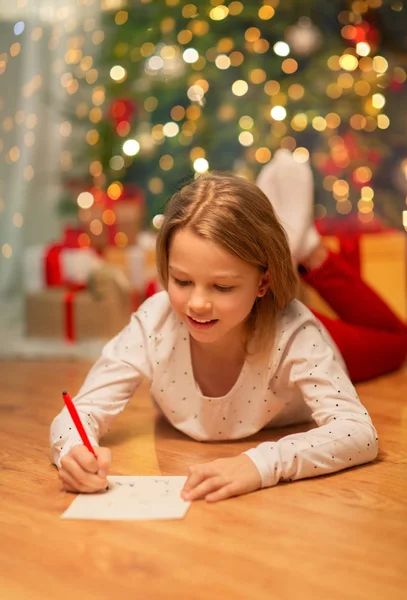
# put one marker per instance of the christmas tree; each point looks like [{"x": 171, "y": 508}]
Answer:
[{"x": 174, "y": 89}]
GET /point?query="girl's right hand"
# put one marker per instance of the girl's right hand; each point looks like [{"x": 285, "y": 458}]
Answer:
[{"x": 81, "y": 472}]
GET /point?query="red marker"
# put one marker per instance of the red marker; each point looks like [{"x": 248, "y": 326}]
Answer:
[{"x": 78, "y": 424}]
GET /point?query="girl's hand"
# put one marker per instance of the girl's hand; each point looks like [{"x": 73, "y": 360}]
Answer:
[
  {"x": 81, "y": 472},
  {"x": 221, "y": 479}
]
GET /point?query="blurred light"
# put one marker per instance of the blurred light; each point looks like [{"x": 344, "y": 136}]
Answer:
[
  {"x": 362, "y": 88},
  {"x": 155, "y": 63},
  {"x": 85, "y": 200},
  {"x": 121, "y": 17},
  {"x": 367, "y": 192},
  {"x": 345, "y": 80},
  {"x": 263, "y": 155},
  {"x": 6, "y": 250},
  {"x": 348, "y": 62},
  {"x": 117, "y": 73},
  {"x": 201, "y": 165},
  {"x": 271, "y": 87},
  {"x": 378, "y": 100},
  {"x": 344, "y": 208},
  {"x": 334, "y": 90},
  {"x": 405, "y": 219},
  {"x": 383, "y": 121},
  {"x": 95, "y": 168},
  {"x": 121, "y": 240},
  {"x": 363, "y": 48},
  {"x": 235, "y": 8},
  {"x": 131, "y": 147},
  {"x": 236, "y": 59},
  {"x": 18, "y": 220},
  {"x": 190, "y": 55},
  {"x": 299, "y": 122},
  {"x": 281, "y": 49},
  {"x": 301, "y": 155},
  {"x": 155, "y": 185},
  {"x": 333, "y": 63},
  {"x": 115, "y": 189},
  {"x": 219, "y": 13},
  {"x": 266, "y": 12},
  {"x": 246, "y": 138},
  {"x": 116, "y": 163},
  {"x": 380, "y": 64},
  {"x": 157, "y": 221},
  {"x": 357, "y": 122},
  {"x": 278, "y": 113},
  {"x": 296, "y": 91},
  {"x": 240, "y": 87},
  {"x": 222, "y": 61},
  {"x": 319, "y": 123},
  {"x": 340, "y": 187},
  {"x": 150, "y": 104},
  {"x": 171, "y": 129},
  {"x": 108, "y": 217},
  {"x": 246, "y": 122},
  {"x": 252, "y": 34},
  {"x": 195, "y": 93},
  {"x": 257, "y": 76},
  {"x": 166, "y": 162},
  {"x": 96, "y": 227},
  {"x": 362, "y": 174},
  {"x": 333, "y": 120},
  {"x": 19, "y": 28},
  {"x": 289, "y": 66}
]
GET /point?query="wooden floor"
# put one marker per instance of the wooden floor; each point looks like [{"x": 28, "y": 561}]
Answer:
[{"x": 341, "y": 537}]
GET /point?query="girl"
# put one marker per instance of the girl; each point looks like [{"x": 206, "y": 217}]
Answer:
[{"x": 228, "y": 351}]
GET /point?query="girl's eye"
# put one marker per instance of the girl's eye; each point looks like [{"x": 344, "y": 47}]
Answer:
[
  {"x": 181, "y": 282},
  {"x": 222, "y": 288}
]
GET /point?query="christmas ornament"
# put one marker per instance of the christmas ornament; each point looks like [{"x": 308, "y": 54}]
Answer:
[{"x": 303, "y": 37}]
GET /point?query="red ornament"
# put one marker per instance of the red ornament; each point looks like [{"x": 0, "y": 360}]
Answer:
[{"x": 121, "y": 109}]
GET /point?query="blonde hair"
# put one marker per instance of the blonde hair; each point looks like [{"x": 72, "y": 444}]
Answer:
[{"x": 235, "y": 214}]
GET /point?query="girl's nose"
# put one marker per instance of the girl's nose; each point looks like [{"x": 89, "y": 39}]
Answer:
[{"x": 199, "y": 302}]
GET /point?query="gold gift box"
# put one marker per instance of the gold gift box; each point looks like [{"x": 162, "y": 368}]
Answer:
[
  {"x": 45, "y": 314},
  {"x": 383, "y": 264}
]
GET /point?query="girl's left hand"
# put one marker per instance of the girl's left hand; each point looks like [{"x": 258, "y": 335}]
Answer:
[{"x": 221, "y": 479}]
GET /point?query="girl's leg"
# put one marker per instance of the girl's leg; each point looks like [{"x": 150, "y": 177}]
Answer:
[
  {"x": 370, "y": 337},
  {"x": 351, "y": 298},
  {"x": 367, "y": 352}
]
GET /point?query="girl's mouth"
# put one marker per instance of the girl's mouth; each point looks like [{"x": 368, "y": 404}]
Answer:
[{"x": 201, "y": 324}]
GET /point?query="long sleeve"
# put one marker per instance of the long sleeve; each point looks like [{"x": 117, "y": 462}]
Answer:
[
  {"x": 345, "y": 435},
  {"x": 110, "y": 384}
]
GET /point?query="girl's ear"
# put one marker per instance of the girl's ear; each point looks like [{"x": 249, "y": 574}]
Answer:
[{"x": 264, "y": 284}]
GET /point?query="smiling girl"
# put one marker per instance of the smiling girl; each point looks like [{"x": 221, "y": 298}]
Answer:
[{"x": 228, "y": 351}]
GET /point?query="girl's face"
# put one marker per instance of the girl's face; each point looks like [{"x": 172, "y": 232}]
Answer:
[{"x": 211, "y": 290}]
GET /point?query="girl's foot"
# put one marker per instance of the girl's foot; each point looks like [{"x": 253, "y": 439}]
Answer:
[{"x": 289, "y": 187}]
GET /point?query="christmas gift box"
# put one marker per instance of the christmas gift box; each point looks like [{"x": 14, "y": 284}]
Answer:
[
  {"x": 378, "y": 253},
  {"x": 75, "y": 314},
  {"x": 137, "y": 262},
  {"x": 114, "y": 221},
  {"x": 59, "y": 263}
]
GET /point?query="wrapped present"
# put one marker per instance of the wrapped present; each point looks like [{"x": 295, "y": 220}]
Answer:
[
  {"x": 378, "y": 253},
  {"x": 59, "y": 263},
  {"x": 137, "y": 261},
  {"x": 109, "y": 221},
  {"x": 75, "y": 314}
]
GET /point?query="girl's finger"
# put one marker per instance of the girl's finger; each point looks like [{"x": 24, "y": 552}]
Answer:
[
  {"x": 83, "y": 478},
  {"x": 70, "y": 485},
  {"x": 193, "y": 480},
  {"x": 207, "y": 486},
  {"x": 227, "y": 491}
]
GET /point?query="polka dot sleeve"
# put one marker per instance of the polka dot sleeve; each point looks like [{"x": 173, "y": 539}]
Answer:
[
  {"x": 345, "y": 435},
  {"x": 108, "y": 387}
]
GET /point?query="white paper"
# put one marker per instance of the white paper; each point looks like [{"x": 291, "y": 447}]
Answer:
[{"x": 132, "y": 498}]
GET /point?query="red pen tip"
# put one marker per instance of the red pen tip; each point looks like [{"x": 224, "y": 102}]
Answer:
[{"x": 64, "y": 393}]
